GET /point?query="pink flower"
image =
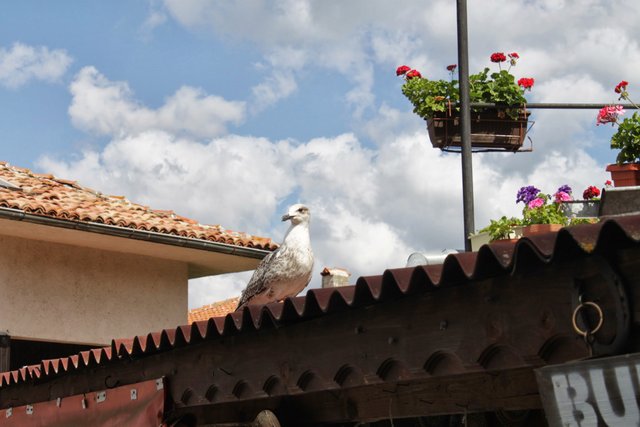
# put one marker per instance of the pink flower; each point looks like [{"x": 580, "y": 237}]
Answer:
[
  {"x": 609, "y": 114},
  {"x": 498, "y": 57},
  {"x": 561, "y": 196},
  {"x": 402, "y": 70},
  {"x": 526, "y": 82},
  {"x": 413, "y": 73},
  {"x": 535, "y": 203}
]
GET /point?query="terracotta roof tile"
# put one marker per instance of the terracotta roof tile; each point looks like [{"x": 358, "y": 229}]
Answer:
[
  {"x": 217, "y": 309},
  {"x": 47, "y": 195}
]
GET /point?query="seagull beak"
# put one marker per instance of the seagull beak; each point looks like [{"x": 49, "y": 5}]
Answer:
[{"x": 286, "y": 217}]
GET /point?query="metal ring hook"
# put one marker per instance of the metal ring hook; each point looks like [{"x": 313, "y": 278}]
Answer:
[{"x": 574, "y": 319}]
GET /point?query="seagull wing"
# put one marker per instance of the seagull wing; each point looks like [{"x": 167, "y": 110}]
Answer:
[{"x": 262, "y": 276}]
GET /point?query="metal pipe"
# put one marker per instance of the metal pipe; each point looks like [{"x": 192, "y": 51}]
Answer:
[
  {"x": 132, "y": 233},
  {"x": 554, "y": 105},
  {"x": 465, "y": 123}
]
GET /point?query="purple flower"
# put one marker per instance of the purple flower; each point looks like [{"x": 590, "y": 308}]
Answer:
[
  {"x": 564, "y": 189},
  {"x": 527, "y": 194}
]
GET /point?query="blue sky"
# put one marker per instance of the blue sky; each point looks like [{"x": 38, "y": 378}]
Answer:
[{"x": 229, "y": 111}]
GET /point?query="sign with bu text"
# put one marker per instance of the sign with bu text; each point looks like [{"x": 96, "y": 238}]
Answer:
[{"x": 592, "y": 393}]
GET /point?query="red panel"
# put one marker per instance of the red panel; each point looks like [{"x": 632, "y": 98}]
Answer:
[{"x": 112, "y": 407}]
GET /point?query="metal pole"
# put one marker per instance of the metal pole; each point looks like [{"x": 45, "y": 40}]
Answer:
[{"x": 465, "y": 124}]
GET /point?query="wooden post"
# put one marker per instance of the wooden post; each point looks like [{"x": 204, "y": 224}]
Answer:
[{"x": 5, "y": 352}]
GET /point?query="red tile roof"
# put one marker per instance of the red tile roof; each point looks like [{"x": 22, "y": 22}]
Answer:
[
  {"x": 497, "y": 259},
  {"x": 49, "y": 196},
  {"x": 216, "y": 309}
]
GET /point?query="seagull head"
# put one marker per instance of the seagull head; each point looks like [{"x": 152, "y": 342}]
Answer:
[{"x": 297, "y": 214}]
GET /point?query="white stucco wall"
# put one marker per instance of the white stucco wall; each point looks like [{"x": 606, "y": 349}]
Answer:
[{"x": 51, "y": 291}]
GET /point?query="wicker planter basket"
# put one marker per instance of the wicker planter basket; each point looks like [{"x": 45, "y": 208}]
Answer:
[{"x": 489, "y": 131}]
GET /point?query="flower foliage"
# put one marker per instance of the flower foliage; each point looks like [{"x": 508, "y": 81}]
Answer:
[
  {"x": 543, "y": 208},
  {"x": 502, "y": 228},
  {"x": 627, "y": 136},
  {"x": 433, "y": 96}
]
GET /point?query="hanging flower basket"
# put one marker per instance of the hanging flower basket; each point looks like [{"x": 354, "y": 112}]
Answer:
[{"x": 490, "y": 130}]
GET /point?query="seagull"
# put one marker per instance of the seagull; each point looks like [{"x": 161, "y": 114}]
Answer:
[{"x": 286, "y": 271}]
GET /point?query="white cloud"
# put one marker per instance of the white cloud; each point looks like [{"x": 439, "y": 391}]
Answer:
[
  {"x": 23, "y": 63},
  {"x": 280, "y": 84},
  {"x": 153, "y": 21},
  {"x": 109, "y": 108},
  {"x": 233, "y": 181}
]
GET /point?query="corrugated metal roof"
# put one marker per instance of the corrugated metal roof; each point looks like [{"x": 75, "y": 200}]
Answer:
[
  {"x": 497, "y": 259},
  {"x": 49, "y": 196}
]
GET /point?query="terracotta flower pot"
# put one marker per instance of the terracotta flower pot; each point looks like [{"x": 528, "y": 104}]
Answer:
[
  {"x": 625, "y": 175},
  {"x": 531, "y": 230}
]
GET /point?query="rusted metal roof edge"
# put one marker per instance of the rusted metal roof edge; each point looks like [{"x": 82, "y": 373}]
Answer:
[{"x": 458, "y": 269}]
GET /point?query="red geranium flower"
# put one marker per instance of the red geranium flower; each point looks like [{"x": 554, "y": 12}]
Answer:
[
  {"x": 401, "y": 70},
  {"x": 621, "y": 87},
  {"x": 451, "y": 67},
  {"x": 498, "y": 57},
  {"x": 591, "y": 192},
  {"x": 514, "y": 55},
  {"x": 526, "y": 82},
  {"x": 413, "y": 73}
]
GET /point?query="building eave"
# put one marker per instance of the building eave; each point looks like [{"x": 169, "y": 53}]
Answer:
[{"x": 203, "y": 257}]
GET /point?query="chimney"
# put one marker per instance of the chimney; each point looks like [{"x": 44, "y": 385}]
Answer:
[{"x": 334, "y": 277}]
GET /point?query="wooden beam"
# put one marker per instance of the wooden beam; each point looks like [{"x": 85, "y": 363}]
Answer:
[
  {"x": 470, "y": 393},
  {"x": 5, "y": 352}
]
